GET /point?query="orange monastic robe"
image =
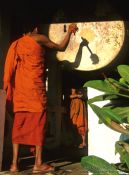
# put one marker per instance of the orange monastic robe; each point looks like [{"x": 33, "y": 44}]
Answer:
[
  {"x": 78, "y": 115},
  {"x": 24, "y": 69},
  {"x": 25, "y": 58}
]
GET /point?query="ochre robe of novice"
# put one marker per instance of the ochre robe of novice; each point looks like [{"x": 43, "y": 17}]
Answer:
[
  {"x": 78, "y": 115},
  {"x": 25, "y": 59},
  {"x": 24, "y": 71}
]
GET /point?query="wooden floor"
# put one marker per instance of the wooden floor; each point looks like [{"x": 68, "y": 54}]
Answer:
[
  {"x": 66, "y": 162},
  {"x": 62, "y": 168}
]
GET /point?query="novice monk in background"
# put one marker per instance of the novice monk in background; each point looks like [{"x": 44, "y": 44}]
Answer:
[
  {"x": 24, "y": 82},
  {"x": 78, "y": 115}
]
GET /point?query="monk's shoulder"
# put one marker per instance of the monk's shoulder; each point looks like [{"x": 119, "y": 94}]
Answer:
[
  {"x": 13, "y": 44},
  {"x": 41, "y": 37}
]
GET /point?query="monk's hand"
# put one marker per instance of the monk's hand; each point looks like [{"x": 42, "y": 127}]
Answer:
[
  {"x": 79, "y": 95},
  {"x": 73, "y": 28}
]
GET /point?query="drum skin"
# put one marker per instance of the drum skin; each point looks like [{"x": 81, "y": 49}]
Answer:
[{"x": 95, "y": 44}]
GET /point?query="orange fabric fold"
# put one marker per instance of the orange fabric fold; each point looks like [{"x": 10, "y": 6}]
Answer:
[
  {"x": 25, "y": 59},
  {"x": 29, "y": 128},
  {"x": 10, "y": 62},
  {"x": 78, "y": 115}
]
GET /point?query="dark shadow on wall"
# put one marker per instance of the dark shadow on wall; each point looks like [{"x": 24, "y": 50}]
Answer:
[{"x": 67, "y": 65}]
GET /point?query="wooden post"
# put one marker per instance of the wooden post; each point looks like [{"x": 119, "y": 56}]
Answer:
[
  {"x": 59, "y": 112},
  {"x": 2, "y": 123}
]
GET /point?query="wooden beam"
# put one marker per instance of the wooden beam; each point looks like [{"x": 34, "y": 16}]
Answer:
[{"x": 2, "y": 123}]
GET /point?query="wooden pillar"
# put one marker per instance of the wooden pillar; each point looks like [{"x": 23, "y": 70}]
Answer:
[
  {"x": 4, "y": 42},
  {"x": 2, "y": 123},
  {"x": 55, "y": 96},
  {"x": 59, "y": 113}
]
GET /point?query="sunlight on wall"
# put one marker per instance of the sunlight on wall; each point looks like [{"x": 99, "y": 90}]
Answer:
[{"x": 101, "y": 139}]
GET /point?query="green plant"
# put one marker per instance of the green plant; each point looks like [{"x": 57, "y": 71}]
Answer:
[
  {"x": 98, "y": 166},
  {"x": 114, "y": 115}
]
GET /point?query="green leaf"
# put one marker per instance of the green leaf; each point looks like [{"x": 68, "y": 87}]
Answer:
[
  {"x": 113, "y": 116},
  {"x": 98, "y": 166},
  {"x": 122, "y": 148},
  {"x": 124, "y": 72},
  {"x": 118, "y": 85},
  {"x": 119, "y": 148},
  {"x": 122, "y": 112},
  {"x": 107, "y": 120},
  {"x": 128, "y": 119},
  {"x": 126, "y": 157},
  {"x": 106, "y": 86},
  {"x": 100, "y": 121},
  {"x": 101, "y": 85},
  {"x": 103, "y": 98},
  {"x": 123, "y": 82},
  {"x": 101, "y": 114}
]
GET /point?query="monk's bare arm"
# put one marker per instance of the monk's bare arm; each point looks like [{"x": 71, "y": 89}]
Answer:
[
  {"x": 75, "y": 96},
  {"x": 43, "y": 40}
]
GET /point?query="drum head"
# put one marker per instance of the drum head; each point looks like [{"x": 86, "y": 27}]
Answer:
[{"x": 94, "y": 46}]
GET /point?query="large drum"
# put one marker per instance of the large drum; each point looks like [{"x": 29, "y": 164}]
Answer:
[{"x": 94, "y": 46}]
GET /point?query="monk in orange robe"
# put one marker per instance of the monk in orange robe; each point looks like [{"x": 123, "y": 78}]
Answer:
[
  {"x": 24, "y": 82},
  {"x": 78, "y": 115}
]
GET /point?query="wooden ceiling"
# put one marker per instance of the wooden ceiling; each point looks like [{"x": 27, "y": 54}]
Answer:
[{"x": 74, "y": 10}]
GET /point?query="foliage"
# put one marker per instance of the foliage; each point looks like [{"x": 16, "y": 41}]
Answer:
[
  {"x": 115, "y": 114},
  {"x": 123, "y": 149},
  {"x": 98, "y": 166}
]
